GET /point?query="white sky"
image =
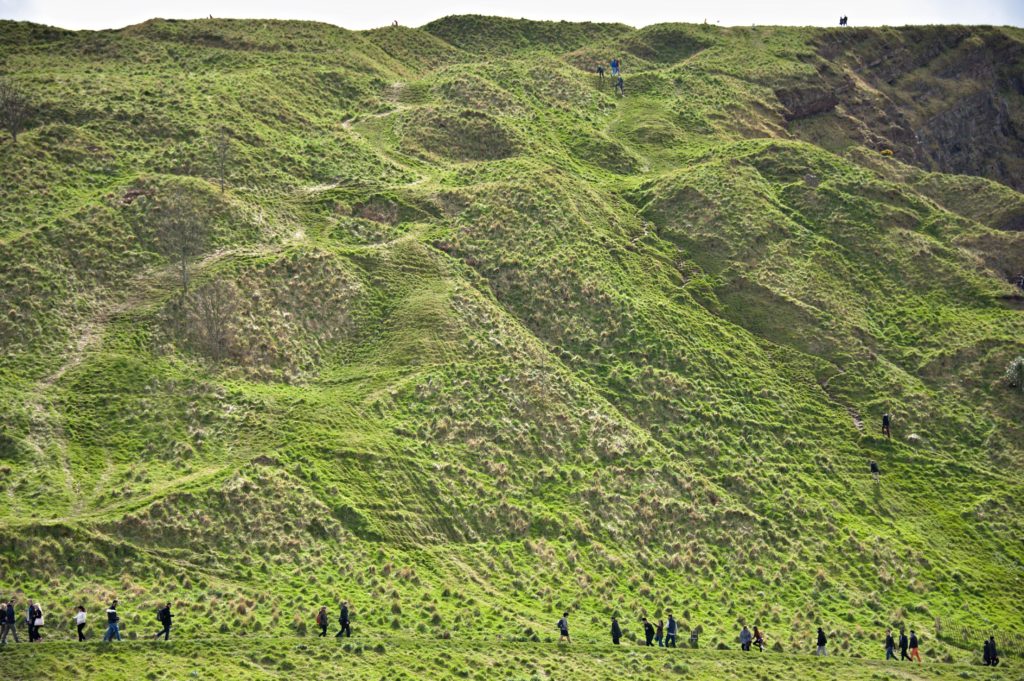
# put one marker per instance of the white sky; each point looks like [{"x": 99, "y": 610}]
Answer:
[{"x": 358, "y": 14}]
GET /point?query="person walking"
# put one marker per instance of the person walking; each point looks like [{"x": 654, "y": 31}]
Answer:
[
  {"x": 648, "y": 631},
  {"x": 563, "y": 628},
  {"x": 745, "y": 638},
  {"x": 113, "y": 631},
  {"x": 992, "y": 652},
  {"x": 887, "y": 425},
  {"x": 600, "y": 72},
  {"x": 822, "y": 642},
  {"x": 345, "y": 630},
  {"x": 659, "y": 633},
  {"x": 3, "y": 624},
  {"x": 904, "y": 642},
  {"x": 620, "y": 86},
  {"x": 31, "y": 618},
  {"x": 915, "y": 654},
  {"x": 890, "y": 646},
  {"x": 80, "y": 622},
  {"x": 321, "y": 620},
  {"x": 986, "y": 654},
  {"x": 874, "y": 470},
  {"x": 759, "y": 640},
  {"x": 164, "y": 616},
  {"x": 10, "y": 623},
  {"x": 617, "y": 631},
  {"x": 670, "y": 632}
]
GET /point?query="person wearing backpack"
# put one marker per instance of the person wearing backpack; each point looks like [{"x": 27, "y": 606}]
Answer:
[
  {"x": 164, "y": 616},
  {"x": 563, "y": 628},
  {"x": 321, "y": 620}
]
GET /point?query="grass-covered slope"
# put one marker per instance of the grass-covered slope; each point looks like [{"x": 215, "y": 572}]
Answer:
[{"x": 469, "y": 340}]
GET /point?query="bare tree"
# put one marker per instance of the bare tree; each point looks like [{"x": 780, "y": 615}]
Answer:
[
  {"x": 211, "y": 317},
  {"x": 15, "y": 107},
  {"x": 181, "y": 230},
  {"x": 222, "y": 156}
]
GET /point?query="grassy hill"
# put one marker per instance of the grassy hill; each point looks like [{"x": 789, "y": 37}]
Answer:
[{"x": 469, "y": 340}]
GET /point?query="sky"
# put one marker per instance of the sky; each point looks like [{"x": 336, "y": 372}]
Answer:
[{"x": 360, "y": 14}]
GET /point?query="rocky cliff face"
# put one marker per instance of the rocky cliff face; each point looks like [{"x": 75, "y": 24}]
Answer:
[{"x": 949, "y": 99}]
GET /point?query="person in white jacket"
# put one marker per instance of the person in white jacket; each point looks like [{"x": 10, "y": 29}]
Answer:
[{"x": 80, "y": 622}]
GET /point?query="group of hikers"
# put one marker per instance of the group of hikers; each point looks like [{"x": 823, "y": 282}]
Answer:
[
  {"x": 616, "y": 72},
  {"x": 843, "y": 20},
  {"x": 34, "y": 620},
  {"x": 663, "y": 633}
]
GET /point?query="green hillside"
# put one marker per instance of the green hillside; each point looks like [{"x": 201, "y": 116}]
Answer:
[{"x": 466, "y": 338}]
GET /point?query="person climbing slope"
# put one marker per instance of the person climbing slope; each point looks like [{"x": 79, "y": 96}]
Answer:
[
  {"x": 620, "y": 86},
  {"x": 80, "y": 622},
  {"x": 890, "y": 646},
  {"x": 164, "y": 616},
  {"x": 915, "y": 654},
  {"x": 886, "y": 423},
  {"x": 345, "y": 630},
  {"x": 648, "y": 631},
  {"x": 745, "y": 638},
  {"x": 617, "y": 631},
  {"x": 759, "y": 640},
  {"x": 904, "y": 642},
  {"x": 563, "y": 628},
  {"x": 321, "y": 620},
  {"x": 875, "y": 472},
  {"x": 113, "y": 631},
  {"x": 670, "y": 632},
  {"x": 822, "y": 642}
]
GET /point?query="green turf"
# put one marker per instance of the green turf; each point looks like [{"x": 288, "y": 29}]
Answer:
[{"x": 469, "y": 340}]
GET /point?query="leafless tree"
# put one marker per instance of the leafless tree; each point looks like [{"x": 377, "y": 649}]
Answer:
[
  {"x": 211, "y": 313},
  {"x": 15, "y": 107},
  {"x": 181, "y": 229}
]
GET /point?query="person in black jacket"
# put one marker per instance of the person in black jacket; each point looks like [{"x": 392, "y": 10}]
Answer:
[
  {"x": 321, "y": 620},
  {"x": 670, "y": 632},
  {"x": 30, "y": 618},
  {"x": 904, "y": 642},
  {"x": 113, "y": 630},
  {"x": 915, "y": 654},
  {"x": 164, "y": 616},
  {"x": 648, "y": 631},
  {"x": 10, "y": 623},
  {"x": 890, "y": 646},
  {"x": 886, "y": 425},
  {"x": 992, "y": 653},
  {"x": 617, "y": 631},
  {"x": 346, "y": 630},
  {"x": 822, "y": 642}
]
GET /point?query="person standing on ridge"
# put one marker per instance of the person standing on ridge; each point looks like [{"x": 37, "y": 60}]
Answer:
[
  {"x": 904, "y": 642},
  {"x": 822, "y": 642},
  {"x": 563, "y": 628},
  {"x": 321, "y": 620},
  {"x": 617, "y": 632},
  {"x": 10, "y": 623},
  {"x": 164, "y": 616},
  {"x": 744, "y": 638},
  {"x": 345, "y": 630},
  {"x": 648, "y": 631},
  {"x": 890, "y": 646},
  {"x": 886, "y": 423},
  {"x": 113, "y": 631},
  {"x": 759, "y": 640},
  {"x": 670, "y": 632},
  {"x": 915, "y": 654},
  {"x": 80, "y": 622}
]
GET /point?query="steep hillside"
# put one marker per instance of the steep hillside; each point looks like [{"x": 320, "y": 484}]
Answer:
[{"x": 466, "y": 338}]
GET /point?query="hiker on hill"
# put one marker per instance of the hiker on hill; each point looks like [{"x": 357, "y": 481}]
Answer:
[
  {"x": 1020, "y": 282},
  {"x": 990, "y": 648},
  {"x": 617, "y": 632},
  {"x": 904, "y": 642},
  {"x": 890, "y": 646},
  {"x": 915, "y": 654},
  {"x": 80, "y": 622},
  {"x": 34, "y": 618},
  {"x": 745, "y": 638},
  {"x": 620, "y": 86},
  {"x": 9, "y": 623},
  {"x": 874, "y": 470},
  {"x": 822, "y": 642},
  {"x": 759, "y": 640},
  {"x": 345, "y": 630},
  {"x": 164, "y": 616},
  {"x": 563, "y": 628},
  {"x": 659, "y": 633},
  {"x": 886, "y": 423},
  {"x": 321, "y": 620},
  {"x": 693, "y": 638},
  {"x": 986, "y": 654},
  {"x": 648, "y": 631},
  {"x": 615, "y": 66},
  {"x": 600, "y": 72},
  {"x": 3, "y": 624},
  {"x": 113, "y": 631},
  {"x": 670, "y": 632}
]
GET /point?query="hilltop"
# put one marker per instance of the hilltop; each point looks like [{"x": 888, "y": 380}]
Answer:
[{"x": 469, "y": 340}]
